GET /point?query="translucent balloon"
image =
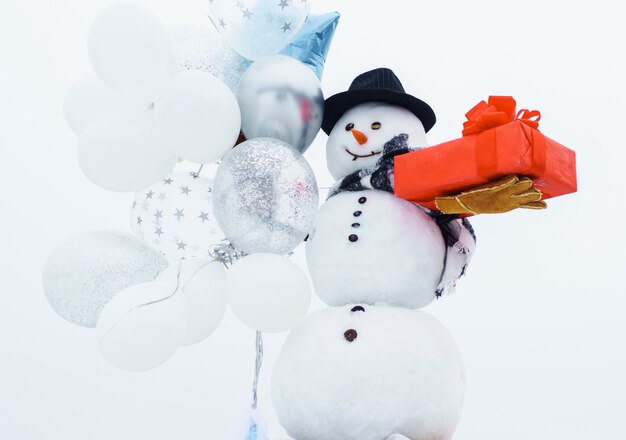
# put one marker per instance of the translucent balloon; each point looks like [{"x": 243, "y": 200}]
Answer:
[
  {"x": 201, "y": 48},
  {"x": 175, "y": 215},
  {"x": 142, "y": 326},
  {"x": 197, "y": 115},
  {"x": 265, "y": 197},
  {"x": 259, "y": 28},
  {"x": 268, "y": 292},
  {"x": 124, "y": 153},
  {"x": 88, "y": 100},
  {"x": 280, "y": 97},
  {"x": 85, "y": 271},
  {"x": 130, "y": 50}
]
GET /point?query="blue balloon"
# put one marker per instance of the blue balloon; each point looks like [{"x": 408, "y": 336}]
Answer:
[
  {"x": 312, "y": 43},
  {"x": 252, "y": 434}
]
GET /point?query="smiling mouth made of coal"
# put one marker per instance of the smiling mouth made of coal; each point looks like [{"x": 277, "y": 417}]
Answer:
[{"x": 356, "y": 156}]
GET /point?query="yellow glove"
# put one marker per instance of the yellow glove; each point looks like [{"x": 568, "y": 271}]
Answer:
[{"x": 504, "y": 195}]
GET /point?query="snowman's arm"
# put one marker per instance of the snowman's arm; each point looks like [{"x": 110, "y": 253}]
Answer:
[
  {"x": 504, "y": 195},
  {"x": 460, "y": 243},
  {"x": 443, "y": 219},
  {"x": 452, "y": 227}
]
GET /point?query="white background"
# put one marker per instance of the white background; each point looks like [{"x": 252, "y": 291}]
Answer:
[{"x": 539, "y": 318}]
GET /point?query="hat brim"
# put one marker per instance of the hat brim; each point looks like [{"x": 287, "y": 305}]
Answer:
[{"x": 337, "y": 105}]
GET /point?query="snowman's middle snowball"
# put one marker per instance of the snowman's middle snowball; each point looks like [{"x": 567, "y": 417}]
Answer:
[{"x": 371, "y": 247}]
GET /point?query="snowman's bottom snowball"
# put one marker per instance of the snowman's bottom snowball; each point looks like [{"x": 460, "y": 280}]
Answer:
[
  {"x": 397, "y": 258},
  {"x": 402, "y": 374}
]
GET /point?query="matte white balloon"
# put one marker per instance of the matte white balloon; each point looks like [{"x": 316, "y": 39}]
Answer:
[
  {"x": 204, "y": 292},
  {"x": 124, "y": 153},
  {"x": 130, "y": 50},
  {"x": 281, "y": 98},
  {"x": 85, "y": 271},
  {"x": 198, "y": 116},
  {"x": 88, "y": 100},
  {"x": 258, "y": 28},
  {"x": 142, "y": 326},
  {"x": 268, "y": 292}
]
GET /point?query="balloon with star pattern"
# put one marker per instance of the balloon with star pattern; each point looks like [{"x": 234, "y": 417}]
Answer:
[
  {"x": 175, "y": 215},
  {"x": 257, "y": 28}
]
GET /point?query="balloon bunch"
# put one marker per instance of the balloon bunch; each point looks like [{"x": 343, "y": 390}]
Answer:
[
  {"x": 242, "y": 102},
  {"x": 149, "y": 117}
]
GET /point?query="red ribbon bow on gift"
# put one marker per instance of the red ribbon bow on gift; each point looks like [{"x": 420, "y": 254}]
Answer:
[{"x": 499, "y": 111}]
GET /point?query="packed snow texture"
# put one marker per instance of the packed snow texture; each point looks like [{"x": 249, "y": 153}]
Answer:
[
  {"x": 401, "y": 374},
  {"x": 397, "y": 258},
  {"x": 344, "y": 154}
]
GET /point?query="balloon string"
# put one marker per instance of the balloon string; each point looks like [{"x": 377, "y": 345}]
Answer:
[
  {"x": 258, "y": 363},
  {"x": 180, "y": 264},
  {"x": 165, "y": 298},
  {"x": 226, "y": 254}
]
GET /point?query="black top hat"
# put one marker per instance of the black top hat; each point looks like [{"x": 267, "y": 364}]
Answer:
[{"x": 376, "y": 85}]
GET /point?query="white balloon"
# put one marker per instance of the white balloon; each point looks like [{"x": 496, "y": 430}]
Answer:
[
  {"x": 175, "y": 215},
  {"x": 142, "y": 326},
  {"x": 198, "y": 115},
  {"x": 204, "y": 292},
  {"x": 130, "y": 50},
  {"x": 124, "y": 153},
  {"x": 88, "y": 100},
  {"x": 268, "y": 292}
]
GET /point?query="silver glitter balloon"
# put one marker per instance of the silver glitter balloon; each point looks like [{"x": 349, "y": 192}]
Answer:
[
  {"x": 280, "y": 97},
  {"x": 265, "y": 196},
  {"x": 201, "y": 48},
  {"x": 175, "y": 215},
  {"x": 85, "y": 271}
]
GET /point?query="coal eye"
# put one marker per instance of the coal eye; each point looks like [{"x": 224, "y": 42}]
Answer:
[
  {"x": 350, "y": 335},
  {"x": 350, "y": 126},
  {"x": 357, "y": 309},
  {"x": 376, "y": 125}
]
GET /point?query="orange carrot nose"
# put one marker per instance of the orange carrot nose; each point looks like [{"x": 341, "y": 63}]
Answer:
[{"x": 360, "y": 137}]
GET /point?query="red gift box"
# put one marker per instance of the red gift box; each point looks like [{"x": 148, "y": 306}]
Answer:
[{"x": 496, "y": 142}]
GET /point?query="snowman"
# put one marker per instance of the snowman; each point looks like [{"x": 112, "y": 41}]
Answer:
[
  {"x": 369, "y": 373},
  {"x": 369, "y": 246}
]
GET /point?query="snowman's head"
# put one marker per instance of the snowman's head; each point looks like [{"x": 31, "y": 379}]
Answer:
[{"x": 358, "y": 138}]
